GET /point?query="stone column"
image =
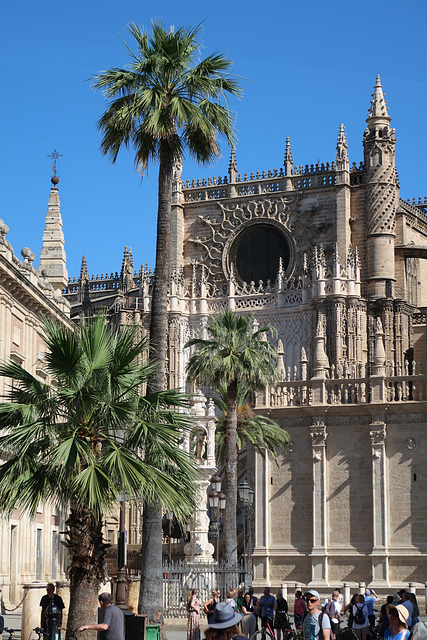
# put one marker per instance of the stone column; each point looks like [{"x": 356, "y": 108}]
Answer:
[
  {"x": 319, "y": 568},
  {"x": 379, "y": 555},
  {"x": 30, "y": 617},
  {"x": 346, "y": 593},
  {"x": 199, "y": 550},
  {"x": 262, "y": 522}
]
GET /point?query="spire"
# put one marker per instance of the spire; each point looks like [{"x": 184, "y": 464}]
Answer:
[
  {"x": 378, "y": 109},
  {"x": 342, "y": 163},
  {"x": 289, "y": 161},
  {"x": 52, "y": 254},
  {"x": 382, "y": 196},
  {"x": 232, "y": 166}
]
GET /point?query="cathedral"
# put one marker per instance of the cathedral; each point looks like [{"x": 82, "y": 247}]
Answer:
[
  {"x": 334, "y": 259},
  {"x": 331, "y": 256}
]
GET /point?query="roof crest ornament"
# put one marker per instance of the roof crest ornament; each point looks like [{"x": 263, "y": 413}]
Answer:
[{"x": 54, "y": 155}]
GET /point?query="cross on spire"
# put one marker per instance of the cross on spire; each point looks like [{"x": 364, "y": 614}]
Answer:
[{"x": 54, "y": 155}]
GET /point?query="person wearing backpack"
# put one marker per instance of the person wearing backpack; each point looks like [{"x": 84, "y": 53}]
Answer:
[
  {"x": 360, "y": 618},
  {"x": 332, "y": 608},
  {"x": 315, "y": 625},
  {"x": 349, "y": 609}
]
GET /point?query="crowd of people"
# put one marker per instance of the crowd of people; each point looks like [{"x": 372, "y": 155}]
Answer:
[{"x": 315, "y": 619}]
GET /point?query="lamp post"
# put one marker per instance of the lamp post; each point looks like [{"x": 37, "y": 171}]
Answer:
[
  {"x": 169, "y": 516},
  {"x": 246, "y": 499},
  {"x": 122, "y": 557},
  {"x": 217, "y": 501}
]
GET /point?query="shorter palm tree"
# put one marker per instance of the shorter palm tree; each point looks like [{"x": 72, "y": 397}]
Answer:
[
  {"x": 79, "y": 439},
  {"x": 263, "y": 433},
  {"x": 232, "y": 353}
]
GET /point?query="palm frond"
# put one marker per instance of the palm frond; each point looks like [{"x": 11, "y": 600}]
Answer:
[
  {"x": 85, "y": 436},
  {"x": 167, "y": 92}
]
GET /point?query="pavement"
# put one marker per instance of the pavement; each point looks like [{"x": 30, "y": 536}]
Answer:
[
  {"x": 13, "y": 621},
  {"x": 175, "y": 629}
]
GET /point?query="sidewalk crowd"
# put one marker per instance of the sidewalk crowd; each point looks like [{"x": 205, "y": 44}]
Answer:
[{"x": 313, "y": 620}]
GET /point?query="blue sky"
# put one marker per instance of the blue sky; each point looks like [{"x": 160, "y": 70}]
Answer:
[{"x": 311, "y": 66}]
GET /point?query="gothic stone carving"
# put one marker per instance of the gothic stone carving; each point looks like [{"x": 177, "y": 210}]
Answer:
[{"x": 224, "y": 229}]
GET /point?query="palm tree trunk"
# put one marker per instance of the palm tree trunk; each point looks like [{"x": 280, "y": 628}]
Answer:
[
  {"x": 159, "y": 302},
  {"x": 151, "y": 591},
  {"x": 87, "y": 566},
  {"x": 231, "y": 475},
  {"x": 151, "y": 587}
]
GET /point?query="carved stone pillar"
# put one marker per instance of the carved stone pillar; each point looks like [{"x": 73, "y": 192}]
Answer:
[
  {"x": 199, "y": 549},
  {"x": 379, "y": 555},
  {"x": 319, "y": 567}
]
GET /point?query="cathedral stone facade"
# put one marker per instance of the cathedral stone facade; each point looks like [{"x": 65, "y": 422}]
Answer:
[
  {"x": 333, "y": 258},
  {"x": 31, "y": 549}
]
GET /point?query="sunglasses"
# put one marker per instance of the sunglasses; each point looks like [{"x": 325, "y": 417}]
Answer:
[{"x": 311, "y": 599}]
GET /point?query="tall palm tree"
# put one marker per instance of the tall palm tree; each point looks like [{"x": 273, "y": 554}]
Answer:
[
  {"x": 78, "y": 439},
  {"x": 232, "y": 352},
  {"x": 263, "y": 433},
  {"x": 165, "y": 102}
]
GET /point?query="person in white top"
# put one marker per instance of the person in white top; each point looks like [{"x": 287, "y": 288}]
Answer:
[
  {"x": 231, "y": 598},
  {"x": 360, "y": 618}
]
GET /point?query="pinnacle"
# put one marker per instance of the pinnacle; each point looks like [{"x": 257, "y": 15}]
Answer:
[
  {"x": 378, "y": 108},
  {"x": 342, "y": 145},
  {"x": 288, "y": 151},
  {"x": 232, "y": 167},
  {"x": 342, "y": 138},
  {"x": 83, "y": 271}
]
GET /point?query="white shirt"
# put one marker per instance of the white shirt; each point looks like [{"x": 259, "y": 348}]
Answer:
[{"x": 364, "y": 608}]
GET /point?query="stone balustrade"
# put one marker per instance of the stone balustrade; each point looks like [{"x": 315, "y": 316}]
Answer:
[{"x": 339, "y": 391}]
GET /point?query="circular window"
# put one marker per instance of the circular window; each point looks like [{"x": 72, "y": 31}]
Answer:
[{"x": 256, "y": 253}]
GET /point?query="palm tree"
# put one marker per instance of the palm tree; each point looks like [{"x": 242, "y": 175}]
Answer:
[
  {"x": 263, "y": 433},
  {"x": 164, "y": 102},
  {"x": 78, "y": 440},
  {"x": 232, "y": 352}
]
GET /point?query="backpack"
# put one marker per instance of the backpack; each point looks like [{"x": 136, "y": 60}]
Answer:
[
  {"x": 330, "y": 609},
  {"x": 359, "y": 617}
]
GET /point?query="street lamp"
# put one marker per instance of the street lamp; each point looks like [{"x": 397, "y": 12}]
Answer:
[
  {"x": 246, "y": 498},
  {"x": 217, "y": 501},
  {"x": 216, "y": 482},
  {"x": 169, "y": 516}
]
